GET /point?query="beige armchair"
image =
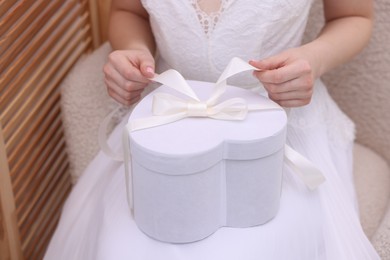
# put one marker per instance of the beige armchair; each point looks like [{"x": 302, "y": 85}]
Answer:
[{"x": 361, "y": 88}]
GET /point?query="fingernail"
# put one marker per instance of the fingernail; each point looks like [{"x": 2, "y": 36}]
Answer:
[{"x": 150, "y": 70}]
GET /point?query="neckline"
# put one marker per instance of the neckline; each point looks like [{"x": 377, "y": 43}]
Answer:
[
  {"x": 208, "y": 22},
  {"x": 198, "y": 7}
]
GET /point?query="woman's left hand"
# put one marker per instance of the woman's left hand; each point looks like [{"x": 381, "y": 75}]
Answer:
[{"x": 288, "y": 77}]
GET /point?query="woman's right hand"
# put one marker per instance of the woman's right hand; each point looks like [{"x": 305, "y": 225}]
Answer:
[{"x": 127, "y": 73}]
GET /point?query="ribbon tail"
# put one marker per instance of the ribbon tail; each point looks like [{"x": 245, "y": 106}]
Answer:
[
  {"x": 235, "y": 66},
  {"x": 306, "y": 170},
  {"x": 173, "y": 79},
  {"x": 153, "y": 121},
  {"x": 128, "y": 174},
  {"x": 102, "y": 137},
  {"x": 265, "y": 106}
]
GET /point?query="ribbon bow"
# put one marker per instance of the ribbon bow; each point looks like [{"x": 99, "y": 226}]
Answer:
[{"x": 168, "y": 108}]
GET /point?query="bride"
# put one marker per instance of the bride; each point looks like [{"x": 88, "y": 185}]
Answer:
[{"x": 198, "y": 38}]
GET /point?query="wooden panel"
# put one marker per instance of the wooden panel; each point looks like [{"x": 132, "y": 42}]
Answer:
[
  {"x": 17, "y": 11},
  {"x": 19, "y": 36},
  {"x": 39, "y": 43},
  {"x": 20, "y": 106},
  {"x": 34, "y": 61},
  {"x": 9, "y": 237},
  {"x": 5, "y": 6},
  {"x": 94, "y": 16},
  {"x": 27, "y": 25}
]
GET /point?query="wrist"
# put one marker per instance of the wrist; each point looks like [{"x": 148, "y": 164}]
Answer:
[
  {"x": 338, "y": 42},
  {"x": 140, "y": 48},
  {"x": 316, "y": 52}
]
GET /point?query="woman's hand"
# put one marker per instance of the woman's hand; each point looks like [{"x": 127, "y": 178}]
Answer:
[
  {"x": 127, "y": 73},
  {"x": 288, "y": 77}
]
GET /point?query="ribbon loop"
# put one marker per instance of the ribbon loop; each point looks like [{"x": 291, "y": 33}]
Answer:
[{"x": 175, "y": 80}]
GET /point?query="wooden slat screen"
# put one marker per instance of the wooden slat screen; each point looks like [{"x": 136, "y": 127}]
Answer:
[{"x": 39, "y": 42}]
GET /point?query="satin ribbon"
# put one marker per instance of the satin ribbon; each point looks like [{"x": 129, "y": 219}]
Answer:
[{"x": 168, "y": 108}]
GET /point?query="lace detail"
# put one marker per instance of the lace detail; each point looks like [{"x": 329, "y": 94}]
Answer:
[{"x": 208, "y": 20}]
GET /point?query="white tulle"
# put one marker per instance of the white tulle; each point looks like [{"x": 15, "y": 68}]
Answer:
[{"x": 310, "y": 225}]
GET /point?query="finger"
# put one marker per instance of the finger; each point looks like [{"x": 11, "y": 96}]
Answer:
[
  {"x": 298, "y": 84},
  {"x": 126, "y": 68},
  {"x": 123, "y": 101},
  {"x": 147, "y": 71},
  {"x": 114, "y": 76},
  {"x": 294, "y": 103},
  {"x": 147, "y": 67},
  {"x": 292, "y": 95},
  {"x": 279, "y": 69},
  {"x": 127, "y": 95},
  {"x": 285, "y": 73},
  {"x": 145, "y": 63},
  {"x": 270, "y": 63},
  {"x": 131, "y": 86}
]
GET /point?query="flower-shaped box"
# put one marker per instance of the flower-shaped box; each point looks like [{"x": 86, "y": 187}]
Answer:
[{"x": 198, "y": 174}]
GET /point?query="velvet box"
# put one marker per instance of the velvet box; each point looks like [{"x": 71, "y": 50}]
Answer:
[{"x": 195, "y": 175}]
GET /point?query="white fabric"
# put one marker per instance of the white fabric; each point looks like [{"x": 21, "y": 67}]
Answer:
[
  {"x": 209, "y": 20},
  {"x": 323, "y": 224}
]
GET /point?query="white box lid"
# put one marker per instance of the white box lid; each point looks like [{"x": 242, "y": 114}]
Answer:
[{"x": 196, "y": 143}]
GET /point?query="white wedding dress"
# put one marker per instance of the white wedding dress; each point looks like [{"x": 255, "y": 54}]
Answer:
[{"x": 323, "y": 224}]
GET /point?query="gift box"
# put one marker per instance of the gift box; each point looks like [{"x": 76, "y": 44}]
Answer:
[
  {"x": 193, "y": 176},
  {"x": 206, "y": 156}
]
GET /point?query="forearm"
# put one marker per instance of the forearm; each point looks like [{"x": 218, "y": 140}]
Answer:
[
  {"x": 339, "y": 41},
  {"x": 129, "y": 30}
]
